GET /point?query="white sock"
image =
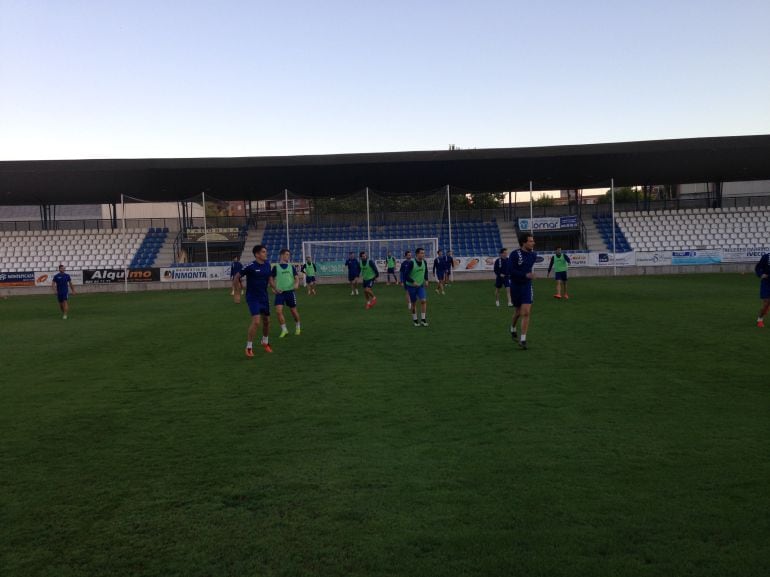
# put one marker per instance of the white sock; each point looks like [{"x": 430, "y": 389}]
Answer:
[
  {"x": 414, "y": 316},
  {"x": 422, "y": 316},
  {"x": 297, "y": 325},
  {"x": 283, "y": 328},
  {"x": 264, "y": 340},
  {"x": 249, "y": 345},
  {"x": 513, "y": 329},
  {"x": 523, "y": 338}
]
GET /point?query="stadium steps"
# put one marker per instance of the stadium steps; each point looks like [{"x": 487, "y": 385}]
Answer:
[
  {"x": 166, "y": 253},
  {"x": 508, "y": 237},
  {"x": 594, "y": 239},
  {"x": 253, "y": 236}
]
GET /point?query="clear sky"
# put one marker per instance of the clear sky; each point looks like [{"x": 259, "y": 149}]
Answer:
[{"x": 169, "y": 78}]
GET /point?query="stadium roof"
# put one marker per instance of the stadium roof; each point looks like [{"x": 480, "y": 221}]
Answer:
[{"x": 732, "y": 158}]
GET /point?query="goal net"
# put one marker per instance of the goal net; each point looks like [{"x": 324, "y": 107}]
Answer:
[{"x": 330, "y": 255}]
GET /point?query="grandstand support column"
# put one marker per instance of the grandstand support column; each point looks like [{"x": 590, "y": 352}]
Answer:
[
  {"x": 614, "y": 261},
  {"x": 123, "y": 242},
  {"x": 286, "y": 212},
  {"x": 206, "y": 241},
  {"x": 531, "y": 211},
  {"x": 449, "y": 218},
  {"x": 368, "y": 227}
]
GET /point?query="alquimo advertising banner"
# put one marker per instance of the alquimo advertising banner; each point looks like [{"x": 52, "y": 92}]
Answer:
[{"x": 118, "y": 275}]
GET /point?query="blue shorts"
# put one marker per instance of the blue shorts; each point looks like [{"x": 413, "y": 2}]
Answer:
[
  {"x": 392, "y": 271},
  {"x": 560, "y": 275},
  {"x": 764, "y": 288},
  {"x": 309, "y": 279},
  {"x": 352, "y": 277},
  {"x": 368, "y": 283},
  {"x": 287, "y": 298},
  {"x": 522, "y": 294},
  {"x": 62, "y": 297},
  {"x": 416, "y": 293},
  {"x": 259, "y": 307},
  {"x": 502, "y": 281}
]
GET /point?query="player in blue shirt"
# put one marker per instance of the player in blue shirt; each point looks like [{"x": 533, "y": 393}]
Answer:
[
  {"x": 62, "y": 284},
  {"x": 237, "y": 289},
  {"x": 520, "y": 265},
  {"x": 439, "y": 270},
  {"x": 416, "y": 282},
  {"x": 501, "y": 277},
  {"x": 449, "y": 265},
  {"x": 354, "y": 271},
  {"x": 258, "y": 276},
  {"x": 762, "y": 269},
  {"x": 404, "y": 264}
]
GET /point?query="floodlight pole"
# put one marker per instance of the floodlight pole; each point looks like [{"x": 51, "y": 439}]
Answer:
[
  {"x": 286, "y": 211},
  {"x": 531, "y": 212},
  {"x": 449, "y": 219},
  {"x": 368, "y": 230},
  {"x": 206, "y": 241},
  {"x": 614, "y": 262},
  {"x": 123, "y": 243}
]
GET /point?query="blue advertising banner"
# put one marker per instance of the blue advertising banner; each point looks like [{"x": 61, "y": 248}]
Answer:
[
  {"x": 696, "y": 257},
  {"x": 26, "y": 278}
]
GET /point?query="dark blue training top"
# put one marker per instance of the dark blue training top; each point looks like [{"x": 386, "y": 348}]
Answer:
[
  {"x": 402, "y": 268},
  {"x": 354, "y": 267},
  {"x": 256, "y": 276},
  {"x": 501, "y": 266},
  {"x": 235, "y": 268},
  {"x": 520, "y": 263},
  {"x": 763, "y": 266},
  {"x": 62, "y": 280}
]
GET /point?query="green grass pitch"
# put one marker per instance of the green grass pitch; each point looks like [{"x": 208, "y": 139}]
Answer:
[{"x": 136, "y": 439}]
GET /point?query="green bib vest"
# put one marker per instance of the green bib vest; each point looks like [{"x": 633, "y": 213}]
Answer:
[
  {"x": 367, "y": 272},
  {"x": 417, "y": 276},
  {"x": 391, "y": 262},
  {"x": 284, "y": 277},
  {"x": 309, "y": 269},
  {"x": 559, "y": 263}
]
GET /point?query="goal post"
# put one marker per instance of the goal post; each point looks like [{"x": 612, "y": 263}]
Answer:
[{"x": 330, "y": 255}]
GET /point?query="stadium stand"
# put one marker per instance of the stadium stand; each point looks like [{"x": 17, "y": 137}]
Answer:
[
  {"x": 604, "y": 226},
  {"x": 734, "y": 227},
  {"x": 45, "y": 250},
  {"x": 147, "y": 252},
  {"x": 469, "y": 238}
]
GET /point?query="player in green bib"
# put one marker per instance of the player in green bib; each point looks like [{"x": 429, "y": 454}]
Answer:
[
  {"x": 416, "y": 281},
  {"x": 369, "y": 274},
  {"x": 309, "y": 270},
  {"x": 286, "y": 282},
  {"x": 559, "y": 263},
  {"x": 390, "y": 263}
]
